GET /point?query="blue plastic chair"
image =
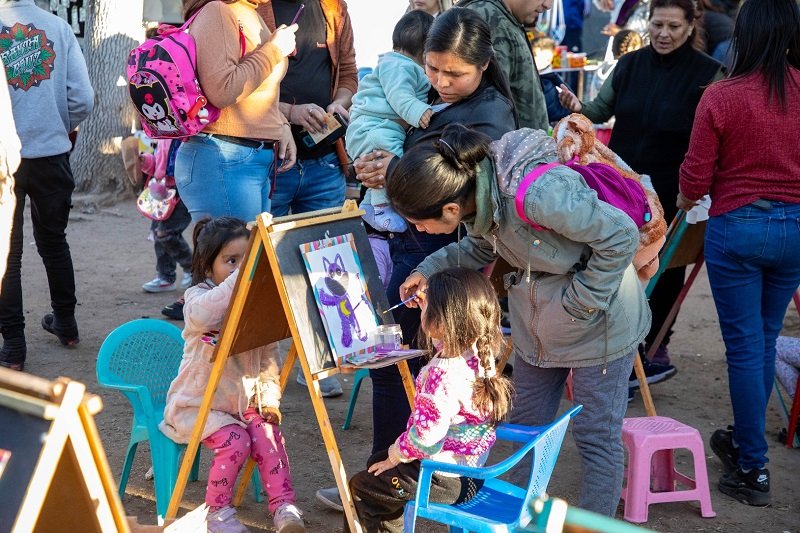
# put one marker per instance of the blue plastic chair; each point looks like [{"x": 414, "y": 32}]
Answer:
[
  {"x": 358, "y": 377},
  {"x": 498, "y": 505},
  {"x": 140, "y": 359}
]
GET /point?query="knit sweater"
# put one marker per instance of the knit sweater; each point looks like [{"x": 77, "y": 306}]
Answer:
[
  {"x": 47, "y": 78},
  {"x": 204, "y": 312},
  {"x": 445, "y": 424},
  {"x": 245, "y": 87},
  {"x": 741, "y": 145}
]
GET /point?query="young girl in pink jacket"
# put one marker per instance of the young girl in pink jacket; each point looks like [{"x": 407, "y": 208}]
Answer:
[{"x": 244, "y": 417}]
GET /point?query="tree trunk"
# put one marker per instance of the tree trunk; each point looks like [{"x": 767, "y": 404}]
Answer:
[{"x": 113, "y": 29}]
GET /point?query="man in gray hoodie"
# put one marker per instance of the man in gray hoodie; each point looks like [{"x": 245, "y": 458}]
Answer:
[{"x": 50, "y": 95}]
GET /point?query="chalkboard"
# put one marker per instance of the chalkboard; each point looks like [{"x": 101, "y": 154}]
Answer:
[
  {"x": 23, "y": 436},
  {"x": 263, "y": 322},
  {"x": 56, "y": 477}
]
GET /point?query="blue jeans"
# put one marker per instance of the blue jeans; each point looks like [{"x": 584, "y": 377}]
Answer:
[
  {"x": 310, "y": 185},
  {"x": 753, "y": 261},
  {"x": 218, "y": 178}
]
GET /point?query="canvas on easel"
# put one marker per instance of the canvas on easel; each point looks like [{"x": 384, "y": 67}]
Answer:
[
  {"x": 342, "y": 296},
  {"x": 273, "y": 299}
]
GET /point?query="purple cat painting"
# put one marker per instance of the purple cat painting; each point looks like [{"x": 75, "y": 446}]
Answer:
[{"x": 337, "y": 283}]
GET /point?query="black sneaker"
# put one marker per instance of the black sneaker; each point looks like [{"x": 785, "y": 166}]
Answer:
[
  {"x": 67, "y": 332},
  {"x": 751, "y": 488},
  {"x": 721, "y": 442},
  {"x": 655, "y": 373},
  {"x": 174, "y": 310}
]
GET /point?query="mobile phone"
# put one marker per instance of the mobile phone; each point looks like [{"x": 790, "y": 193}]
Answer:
[
  {"x": 336, "y": 128},
  {"x": 298, "y": 14}
]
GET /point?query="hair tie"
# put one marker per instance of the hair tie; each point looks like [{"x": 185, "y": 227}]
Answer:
[{"x": 445, "y": 143}]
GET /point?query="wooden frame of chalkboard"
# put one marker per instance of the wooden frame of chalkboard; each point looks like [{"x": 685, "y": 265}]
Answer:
[
  {"x": 273, "y": 300},
  {"x": 57, "y": 477}
]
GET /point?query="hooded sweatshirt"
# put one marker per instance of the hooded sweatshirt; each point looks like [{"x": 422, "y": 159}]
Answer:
[{"x": 47, "y": 78}]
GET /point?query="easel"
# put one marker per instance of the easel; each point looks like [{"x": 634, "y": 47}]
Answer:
[
  {"x": 684, "y": 246},
  {"x": 57, "y": 477},
  {"x": 272, "y": 273}
]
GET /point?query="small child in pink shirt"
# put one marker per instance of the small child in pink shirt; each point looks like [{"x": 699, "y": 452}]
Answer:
[{"x": 460, "y": 399}]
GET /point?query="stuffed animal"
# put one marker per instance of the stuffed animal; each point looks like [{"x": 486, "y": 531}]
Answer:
[{"x": 574, "y": 135}]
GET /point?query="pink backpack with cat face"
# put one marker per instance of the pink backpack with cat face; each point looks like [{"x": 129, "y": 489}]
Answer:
[{"x": 163, "y": 84}]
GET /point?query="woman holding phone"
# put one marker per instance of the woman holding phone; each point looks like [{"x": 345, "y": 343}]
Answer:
[{"x": 229, "y": 169}]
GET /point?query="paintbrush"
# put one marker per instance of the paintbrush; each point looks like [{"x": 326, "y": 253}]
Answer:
[{"x": 404, "y": 302}]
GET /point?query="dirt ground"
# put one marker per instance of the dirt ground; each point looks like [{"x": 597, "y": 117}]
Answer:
[{"x": 113, "y": 258}]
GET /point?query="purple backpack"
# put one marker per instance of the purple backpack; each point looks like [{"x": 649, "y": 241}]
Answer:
[
  {"x": 163, "y": 84},
  {"x": 625, "y": 194}
]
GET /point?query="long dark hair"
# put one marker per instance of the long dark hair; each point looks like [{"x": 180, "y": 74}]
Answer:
[
  {"x": 463, "y": 310},
  {"x": 209, "y": 237},
  {"x": 431, "y": 175},
  {"x": 763, "y": 33},
  {"x": 191, "y": 6},
  {"x": 693, "y": 15},
  {"x": 464, "y": 33}
]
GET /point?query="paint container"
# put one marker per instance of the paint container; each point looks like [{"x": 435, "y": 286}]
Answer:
[{"x": 387, "y": 338}]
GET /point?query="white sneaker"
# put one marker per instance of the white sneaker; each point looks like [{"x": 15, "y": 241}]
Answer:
[
  {"x": 224, "y": 520},
  {"x": 158, "y": 284},
  {"x": 186, "y": 280},
  {"x": 330, "y": 386},
  {"x": 289, "y": 519}
]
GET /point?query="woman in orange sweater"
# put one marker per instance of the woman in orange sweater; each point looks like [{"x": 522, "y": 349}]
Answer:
[{"x": 229, "y": 169}]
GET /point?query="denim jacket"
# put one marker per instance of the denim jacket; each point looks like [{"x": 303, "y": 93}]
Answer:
[{"x": 575, "y": 300}]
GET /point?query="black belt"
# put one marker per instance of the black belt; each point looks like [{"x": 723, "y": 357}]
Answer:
[{"x": 242, "y": 141}]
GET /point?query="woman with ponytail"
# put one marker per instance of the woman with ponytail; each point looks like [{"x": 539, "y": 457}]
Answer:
[
  {"x": 468, "y": 87},
  {"x": 575, "y": 301},
  {"x": 460, "y": 399}
]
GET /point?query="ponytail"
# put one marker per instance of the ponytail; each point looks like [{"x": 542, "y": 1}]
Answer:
[
  {"x": 431, "y": 175},
  {"x": 493, "y": 391},
  {"x": 190, "y": 7}
]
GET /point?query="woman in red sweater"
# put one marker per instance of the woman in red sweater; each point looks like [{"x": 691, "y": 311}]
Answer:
[{"x": 740, "y": 153}]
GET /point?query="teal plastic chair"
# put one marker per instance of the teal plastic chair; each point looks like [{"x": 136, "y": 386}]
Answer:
[
  {"x": 358, "y": 377},
  {"x": 140, "y": 359},
  {"x": 498, "y": 505}
]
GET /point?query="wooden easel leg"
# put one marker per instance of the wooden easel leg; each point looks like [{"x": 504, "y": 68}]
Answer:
[
  {"x": 332, "y": 449},
  {"x": 508, "y": 347},
  {"x": 408, "y": 381},
  {"x": 698, "y": 264},
  {"x": 644, "y": 388}
]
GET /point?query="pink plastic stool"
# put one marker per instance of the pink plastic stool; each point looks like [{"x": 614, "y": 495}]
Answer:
[{"x": 650, "y": 442}]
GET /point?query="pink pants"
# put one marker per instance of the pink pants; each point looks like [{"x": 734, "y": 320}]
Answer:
[{"x": 232, "y": 446}]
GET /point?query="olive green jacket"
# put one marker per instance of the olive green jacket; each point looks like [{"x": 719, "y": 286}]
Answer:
[{"x": 513, "y": 53}]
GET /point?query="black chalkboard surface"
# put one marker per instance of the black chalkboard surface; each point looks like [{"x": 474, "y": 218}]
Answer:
[
  {"x": 22, "y": 435},
  {"x": 301, "y": 294}
]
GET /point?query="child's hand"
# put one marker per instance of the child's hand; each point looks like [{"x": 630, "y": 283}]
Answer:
[
  {"x": 381, "y": 467},
  {"x": 425, "y": 120},
  {"x": 272, "y": 415}
]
